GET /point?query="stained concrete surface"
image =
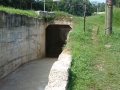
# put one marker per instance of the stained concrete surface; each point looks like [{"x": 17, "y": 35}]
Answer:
[{"x": 30, "y": 76}]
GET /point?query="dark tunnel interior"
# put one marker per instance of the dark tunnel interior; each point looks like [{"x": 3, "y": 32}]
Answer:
[{"x": 56, "y": 36}]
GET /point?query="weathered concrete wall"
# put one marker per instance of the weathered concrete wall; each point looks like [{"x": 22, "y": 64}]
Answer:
[
  {"x": 22, "y": 39},
  {"x": 59, "y": 73}
]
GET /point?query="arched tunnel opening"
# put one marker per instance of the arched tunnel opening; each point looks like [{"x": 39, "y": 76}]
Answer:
[{"x": 56, "y": 36}]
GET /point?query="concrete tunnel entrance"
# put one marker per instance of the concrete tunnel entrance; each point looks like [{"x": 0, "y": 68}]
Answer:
[{"x": 56, "y": 36}]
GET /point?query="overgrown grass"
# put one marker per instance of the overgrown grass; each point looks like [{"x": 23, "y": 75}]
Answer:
[
  {"x": 79, "y": 44},
  {"x": 95, "y": 56},
  {"x": 29, "y": 13},
  {"x": 59, "y": 15},
  {"x": 116, "y": 15}
]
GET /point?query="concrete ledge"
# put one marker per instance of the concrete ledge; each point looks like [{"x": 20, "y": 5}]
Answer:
[
  {"x": 45, "y": 14},
  {"x": 58, "y": 77}
]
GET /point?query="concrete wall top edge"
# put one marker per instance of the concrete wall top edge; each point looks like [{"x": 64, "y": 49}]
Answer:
[
  {"x": 8, "y": 19},
  {"x": 60, "y": 22},
  {"x": 61, "y": 25}
]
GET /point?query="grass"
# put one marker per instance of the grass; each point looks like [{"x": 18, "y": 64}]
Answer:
[
  {"x": 96, "y": 57},
  {"x": 29, "y": 13},
  {"x": 59, "y": 15},
  {"x": 116, "y": 15}
]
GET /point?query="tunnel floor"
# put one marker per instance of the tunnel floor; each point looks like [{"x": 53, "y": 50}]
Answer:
[{"x": 30, "y": 76}]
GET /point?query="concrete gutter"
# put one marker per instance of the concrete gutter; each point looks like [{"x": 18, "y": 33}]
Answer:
[{"x": 58, "y": 77}]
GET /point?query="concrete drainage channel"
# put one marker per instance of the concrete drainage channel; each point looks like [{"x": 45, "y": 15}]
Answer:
[
  {"x": 23, "y": 40},
  {"x": 58, "y": 77}
]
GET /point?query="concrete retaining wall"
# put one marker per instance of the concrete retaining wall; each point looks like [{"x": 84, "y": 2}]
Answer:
[
  {"x": 59, "y": 73},
  {"x": 22, "y": 39}
]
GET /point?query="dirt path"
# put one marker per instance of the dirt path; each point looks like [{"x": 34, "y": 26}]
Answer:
[{"x": 100, "y": 64}]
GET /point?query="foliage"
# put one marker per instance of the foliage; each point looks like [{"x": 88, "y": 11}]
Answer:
[
  {"x": 100, "y": 7},
  {"x": 116, "y": 3},
  {"x": 75, "y": 7},
  {"x": 22, "y": 4}
]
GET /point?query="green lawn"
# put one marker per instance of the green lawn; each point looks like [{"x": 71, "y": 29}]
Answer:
[{"x": 95, "y": 56}]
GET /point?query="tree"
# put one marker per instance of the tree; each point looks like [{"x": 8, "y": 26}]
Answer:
[
  {"x": 98, "y": 7},
  {"x": 75, "y": 7},
  {"x": 101, "y": 7},
  {"x": 116, "y": 3}
]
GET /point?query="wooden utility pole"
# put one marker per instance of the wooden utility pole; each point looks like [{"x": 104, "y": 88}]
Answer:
[
  {"x": 84, "y": 17},
  {"x": 44, "y": 5},
  {"x": 105, "y": 15},
  {"x": 108, "y": 17},
  {"x": 20, "y": 4},
  {"x": 31, "y": 5},
  {"x": 26, "y": 3}
]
